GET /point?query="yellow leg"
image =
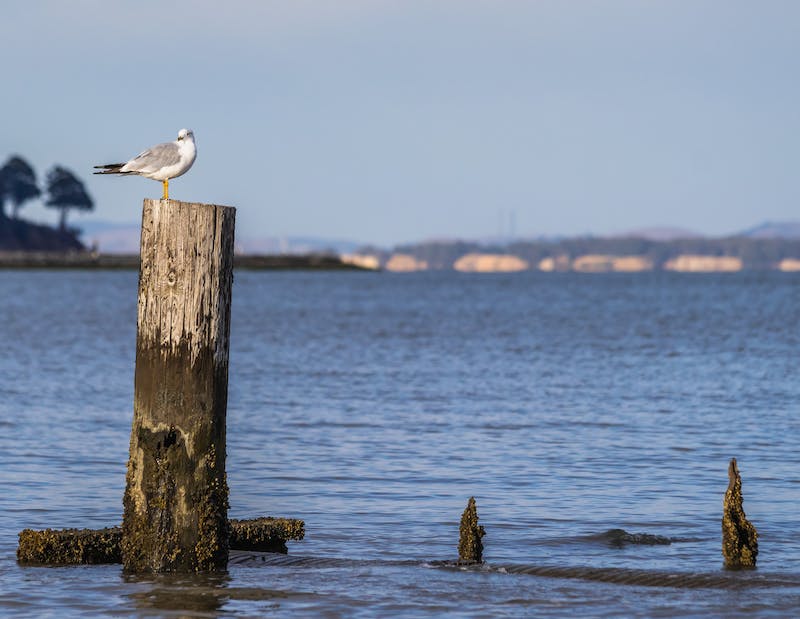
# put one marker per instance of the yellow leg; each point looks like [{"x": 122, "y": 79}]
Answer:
[{"x": 166, "y": 190}]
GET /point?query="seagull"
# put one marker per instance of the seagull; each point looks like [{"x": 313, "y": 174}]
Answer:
[{"x": 160, "y": 162}]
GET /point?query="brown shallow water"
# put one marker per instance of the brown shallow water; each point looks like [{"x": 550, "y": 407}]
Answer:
[{"x": 373, "y": 405}]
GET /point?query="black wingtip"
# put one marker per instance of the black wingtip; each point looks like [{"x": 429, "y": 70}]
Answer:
[{"x": 109, "y": 168}]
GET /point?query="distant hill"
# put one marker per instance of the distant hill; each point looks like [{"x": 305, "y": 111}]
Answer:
[
  {"x": 774, "y": 230},
  {"x": 766, "y": 230},
  {"x": 21, "y": 235},
  {"x": 123, "y": 238},
  {"x": 663, "y": 233},
  {"x": 745, "y": 253},
  {"x": 111, "y": 237},
  {"x": 294, "y": 245}
]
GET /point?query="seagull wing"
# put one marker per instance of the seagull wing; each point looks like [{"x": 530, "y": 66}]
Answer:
[{"x": 153, "y": 159}]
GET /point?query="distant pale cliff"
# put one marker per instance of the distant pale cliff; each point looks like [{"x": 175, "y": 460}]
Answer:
[
  {"x": 598, "y": 255},
  {"x": 490, "y": 263},
  {"x": 704, "y": 264}
]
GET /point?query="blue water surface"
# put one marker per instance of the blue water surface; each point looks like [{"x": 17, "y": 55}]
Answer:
[{"x": 373, "y": 405}]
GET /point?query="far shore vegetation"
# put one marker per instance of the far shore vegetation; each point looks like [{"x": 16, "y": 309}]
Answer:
[{"x": 61, "y": 189}]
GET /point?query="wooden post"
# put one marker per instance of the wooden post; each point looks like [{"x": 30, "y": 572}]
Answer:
[{"x": 176, "y": 495}]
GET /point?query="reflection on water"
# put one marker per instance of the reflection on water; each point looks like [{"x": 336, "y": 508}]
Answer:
[
  {"x": 196, "y": 594},
  {"x": 373, "y": 405}
]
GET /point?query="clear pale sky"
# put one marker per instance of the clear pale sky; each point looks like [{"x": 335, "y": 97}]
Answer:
[{"x": 392, "y": 121}]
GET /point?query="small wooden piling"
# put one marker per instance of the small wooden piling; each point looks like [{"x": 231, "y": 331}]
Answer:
[
  {"x": 739, "y": 536},
  {"x": 470, "y": 546},
  {"x": 176, "y": 495}
]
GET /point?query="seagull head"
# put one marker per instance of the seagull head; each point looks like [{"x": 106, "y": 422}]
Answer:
[{"x": 185, "y": 134}]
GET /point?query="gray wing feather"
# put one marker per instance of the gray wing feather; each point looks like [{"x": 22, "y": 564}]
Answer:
[{"x": 154, "y": 158}]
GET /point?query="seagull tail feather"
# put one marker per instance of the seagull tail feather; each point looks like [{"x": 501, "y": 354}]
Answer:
[{"x": 110, "y": 168}]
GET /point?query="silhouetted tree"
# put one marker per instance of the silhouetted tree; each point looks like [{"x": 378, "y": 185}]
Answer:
[
  {"x": 17, "y": 183},
  {"x": 65, "y": 191},
  {"x": 3, "y": 193}
]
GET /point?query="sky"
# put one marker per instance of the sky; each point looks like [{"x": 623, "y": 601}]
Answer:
[{"x": 386, "y": 122}]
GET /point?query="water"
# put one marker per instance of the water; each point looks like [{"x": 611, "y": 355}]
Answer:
[{"x": 374, "y": 405}]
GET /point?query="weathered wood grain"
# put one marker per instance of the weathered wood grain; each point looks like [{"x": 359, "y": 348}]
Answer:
[{"x": 176, "y": 496}]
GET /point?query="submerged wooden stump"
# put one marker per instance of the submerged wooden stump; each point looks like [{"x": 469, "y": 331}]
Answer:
[
  {"x": 265, "y": 534},
  {"x": 70, "y": 546},
  {"x": 176, "y": 495},
  {"x": 620, "y": 537},
  {"x": 470, "y": 547},
  {"x": 96, "y": 546},
  {"x": 739, "y": 536}
]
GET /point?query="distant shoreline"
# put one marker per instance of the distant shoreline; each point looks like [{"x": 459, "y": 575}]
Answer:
[
  {"x": 470, "y": 263},
  {"x": 94, "y": 261}
]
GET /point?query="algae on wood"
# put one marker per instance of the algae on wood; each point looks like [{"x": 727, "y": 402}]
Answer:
[
  {"x": 70, "y": 546},
  {"x": 176, "y": 495},
  {"x": 470, "y": 547},
  {"x": 265, "y": 534},
  {"x": 93, "y": 546},
  {"x": 739, "y": 536}
]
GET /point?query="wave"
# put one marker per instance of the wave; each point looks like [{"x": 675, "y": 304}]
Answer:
[{"x": 612, "y": 575}]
